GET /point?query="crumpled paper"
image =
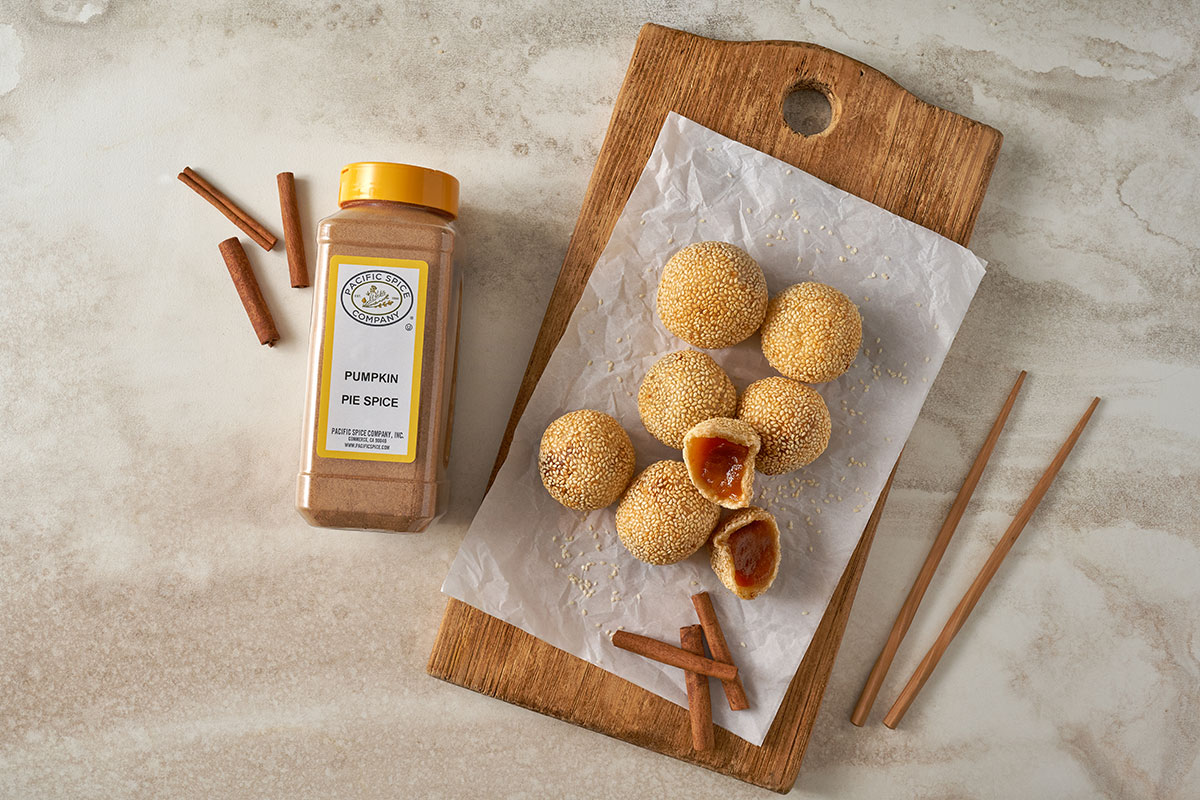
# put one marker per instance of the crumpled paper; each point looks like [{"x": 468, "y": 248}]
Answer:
[{"x": 564, "y": 576}]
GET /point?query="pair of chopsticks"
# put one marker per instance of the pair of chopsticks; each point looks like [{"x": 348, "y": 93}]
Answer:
[{"x": 959, "y": 616}]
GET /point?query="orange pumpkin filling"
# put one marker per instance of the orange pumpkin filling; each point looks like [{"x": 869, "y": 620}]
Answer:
[
  {"x": 753, "y": 549},
  {"x": 722, "y": 465}
]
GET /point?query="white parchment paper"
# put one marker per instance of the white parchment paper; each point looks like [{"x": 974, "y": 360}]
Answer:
[{"x": 564, "y": 576}]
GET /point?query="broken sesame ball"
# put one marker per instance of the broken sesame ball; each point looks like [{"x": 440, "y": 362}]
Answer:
[
  {"x": 791, "y": 420},
  {"x": 586, "y": 460},
  {"x": 811, "y": 333},
  {"x": 712, "y": 295},
  {"x": 662, "y": 519},
  {"x": 683, "y": 389},
  {"x": 719, "y": 454},
  {"x": 745, "y": 552}
]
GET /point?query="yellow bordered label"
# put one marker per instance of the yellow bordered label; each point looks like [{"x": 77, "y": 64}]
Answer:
[{"x": 371, "y": 358}]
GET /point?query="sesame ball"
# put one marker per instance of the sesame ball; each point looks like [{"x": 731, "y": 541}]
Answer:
[
  {"x": 811, "y": 333},
  {"x": 745, "y": 552},
  {"x": 662, "y": 519},
  {"x": 719, "y": 454},
  {"x": 586, "y": 460},
  {"x": 683, "y": 389},
  {"x": 792, "y": 422},
  {"x": 712, "y": 295}
]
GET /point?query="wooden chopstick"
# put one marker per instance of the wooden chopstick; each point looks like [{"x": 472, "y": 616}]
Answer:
[
  {"x": 249, "y": 225},
  {"x": 936, "y": 551},
  {"x": 965, "y": 606}
]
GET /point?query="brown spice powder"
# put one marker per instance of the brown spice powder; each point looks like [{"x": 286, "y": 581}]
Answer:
[{"x": 386, "y": 495}]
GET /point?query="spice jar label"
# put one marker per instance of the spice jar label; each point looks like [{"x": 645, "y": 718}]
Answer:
[{"x": 371, "y": 369}]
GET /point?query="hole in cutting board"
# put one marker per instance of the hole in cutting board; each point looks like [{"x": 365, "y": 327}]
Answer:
[{"x": 807, "y": 110}]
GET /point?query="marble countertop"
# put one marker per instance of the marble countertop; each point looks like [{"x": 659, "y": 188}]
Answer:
[{"x": 169, "y": 627}]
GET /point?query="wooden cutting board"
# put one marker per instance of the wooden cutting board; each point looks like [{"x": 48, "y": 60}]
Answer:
[{"x": 882, "y": 144}]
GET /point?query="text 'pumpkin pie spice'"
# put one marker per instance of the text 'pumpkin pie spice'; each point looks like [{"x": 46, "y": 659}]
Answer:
[
  {"x": 712, "y": 295},
  {"x": 681, "y": 390},
  {"x": 662, "y": 519},
  {"x": 382, "y": 352},
  {"x": 720, "y": 454},
  {"x": 811, "y": 332},
  {"x": 586, "y": 460},
  {"x": 745, "y": 552},
  {"x": 791, "y": 420}
]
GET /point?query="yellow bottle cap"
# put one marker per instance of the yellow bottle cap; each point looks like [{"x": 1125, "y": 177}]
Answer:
[{"x": 401, "y": 183}]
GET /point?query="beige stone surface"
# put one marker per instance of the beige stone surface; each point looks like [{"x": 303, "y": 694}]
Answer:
[{"x": 169, "y": 627}]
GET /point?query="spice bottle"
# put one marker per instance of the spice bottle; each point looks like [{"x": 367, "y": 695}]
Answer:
[{"x": 382, "y": 352}]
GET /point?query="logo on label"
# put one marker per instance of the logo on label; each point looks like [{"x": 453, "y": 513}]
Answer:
[{"x": 377, "y": 298}]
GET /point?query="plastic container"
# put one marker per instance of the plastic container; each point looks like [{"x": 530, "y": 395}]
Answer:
[{"x": 382, "y": 352}]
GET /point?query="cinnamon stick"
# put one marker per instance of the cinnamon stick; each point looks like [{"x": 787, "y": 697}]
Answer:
[
  {"x": 734, "y": 691},
  {"x": 965, "y": 606},
  {"x": 248, "y": 291},
  {"x": 672, "y": 656},
  {"x": 691, "y": 639},
  {"x": 293, "y": 238},
  {"x": 252, "y": 227}
]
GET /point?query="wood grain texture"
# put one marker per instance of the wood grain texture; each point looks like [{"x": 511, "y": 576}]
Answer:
[{"x": 884, "y": 145}]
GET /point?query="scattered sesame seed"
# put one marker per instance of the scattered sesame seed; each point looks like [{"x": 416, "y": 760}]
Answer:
[
  {"x": 841, "y": 258},
  {"x": 743, "y": 644},
  {"x": 643, "y": 222},
  {"x": 805, "y": 613}
]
